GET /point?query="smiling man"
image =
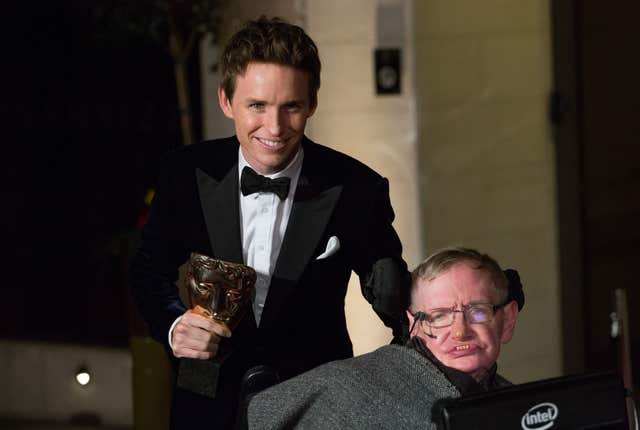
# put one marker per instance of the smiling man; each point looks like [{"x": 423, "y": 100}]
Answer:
[
  {"x": 270, "y": 106},
  {"x": 463, "y": 308},
  {"x": 302, "y": 215}
]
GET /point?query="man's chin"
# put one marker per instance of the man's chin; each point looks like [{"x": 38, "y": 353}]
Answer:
[
  {"x": 463, "y": 364},
  {"x": 275, "y": 163}
]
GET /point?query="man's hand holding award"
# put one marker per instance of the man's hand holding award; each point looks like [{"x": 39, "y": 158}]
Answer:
[{"x": 220, "y": 293}]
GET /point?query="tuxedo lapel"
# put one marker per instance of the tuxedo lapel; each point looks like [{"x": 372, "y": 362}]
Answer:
[
  {"x": 221, "y": 211},
  {"x": 312, "y": 208}
]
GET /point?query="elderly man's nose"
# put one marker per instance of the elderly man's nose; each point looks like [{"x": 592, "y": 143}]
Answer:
[{"x": 459, "y": 329}]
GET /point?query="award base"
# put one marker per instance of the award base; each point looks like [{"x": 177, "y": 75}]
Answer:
[{"x": 200, "y": 376}]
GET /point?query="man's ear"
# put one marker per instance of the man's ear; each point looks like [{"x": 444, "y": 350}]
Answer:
[
  {"x": 410, "y": 318},
  {"x": 312, "y": 106},
  {"x": 510, "y": 311},
  {"x": 225, "y": 103}
]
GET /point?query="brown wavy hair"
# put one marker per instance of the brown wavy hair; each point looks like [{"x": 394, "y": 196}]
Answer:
[{"x": 271, "y": 40}]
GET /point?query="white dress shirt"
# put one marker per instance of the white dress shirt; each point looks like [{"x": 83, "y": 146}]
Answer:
[{"x": 263, "y": 222}]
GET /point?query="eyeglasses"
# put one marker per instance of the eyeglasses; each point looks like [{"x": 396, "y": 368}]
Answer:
[{"x": 474, "y": 313}]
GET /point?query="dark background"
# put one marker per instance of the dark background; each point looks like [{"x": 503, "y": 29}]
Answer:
[
  {"x": 596, "y": 115},
  {"x": 89, "y": 115}
]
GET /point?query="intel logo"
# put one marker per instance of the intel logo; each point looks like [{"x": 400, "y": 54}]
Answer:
[{"x": 540, "y": 417}]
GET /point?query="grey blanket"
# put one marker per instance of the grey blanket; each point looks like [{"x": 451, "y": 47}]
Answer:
[{"x": 393, "y": 387}]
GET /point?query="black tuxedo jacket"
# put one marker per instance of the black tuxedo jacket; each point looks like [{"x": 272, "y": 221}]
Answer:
[{"x": 196, "y": 209}]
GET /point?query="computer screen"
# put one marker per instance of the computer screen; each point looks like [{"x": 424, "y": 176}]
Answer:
[{"x": 588, "y": 401}]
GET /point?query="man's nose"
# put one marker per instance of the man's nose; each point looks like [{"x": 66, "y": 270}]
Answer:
[
  {"x": 273, "y": 122},
  {"x": 459, "y": 328}
]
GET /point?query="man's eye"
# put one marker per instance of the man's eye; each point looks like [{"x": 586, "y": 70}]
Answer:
[
  {"x": 292, "y": 108},
  {"x": 438, "y": 316},
  {"x": 479, "y": 314},
  {"x": 257, "y": 106}
]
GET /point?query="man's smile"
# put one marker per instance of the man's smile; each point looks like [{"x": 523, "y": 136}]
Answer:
[{"x": 271, "y": 144}]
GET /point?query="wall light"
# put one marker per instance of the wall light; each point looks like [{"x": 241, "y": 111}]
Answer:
[{"x": 83, "y": 377}]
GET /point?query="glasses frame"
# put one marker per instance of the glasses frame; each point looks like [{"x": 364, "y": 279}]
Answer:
[{"x": 421, "y": 317}]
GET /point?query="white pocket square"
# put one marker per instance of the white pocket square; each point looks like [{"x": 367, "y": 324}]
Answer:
[{"x": 333, "y": 245}]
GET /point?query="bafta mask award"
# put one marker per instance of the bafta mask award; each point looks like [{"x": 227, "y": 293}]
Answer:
[
  {"x": 220, "y": 290},
  {"x": 224, "y": 292}
]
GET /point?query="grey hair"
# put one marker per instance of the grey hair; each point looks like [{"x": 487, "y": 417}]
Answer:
[{"x": 442, "y": 260}]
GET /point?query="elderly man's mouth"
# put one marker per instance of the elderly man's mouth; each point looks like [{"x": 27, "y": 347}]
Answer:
[{"x": 462, "y": 350}]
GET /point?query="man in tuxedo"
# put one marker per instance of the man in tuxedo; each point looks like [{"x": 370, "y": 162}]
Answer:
[{"x": 302, "y": 215}]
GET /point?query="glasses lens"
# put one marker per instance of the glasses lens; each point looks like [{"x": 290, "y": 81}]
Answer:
[
  {"x": 479, "y": 313},
  {"x": 440, "y": 318}
]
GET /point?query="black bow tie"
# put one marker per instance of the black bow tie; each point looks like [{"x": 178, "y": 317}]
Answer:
[{"x": 251, "y": 182}]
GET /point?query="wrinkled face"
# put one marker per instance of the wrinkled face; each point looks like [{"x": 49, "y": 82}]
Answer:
[
  {"x": 270, "y": 108},
  {"x": 471, "y": 348}
]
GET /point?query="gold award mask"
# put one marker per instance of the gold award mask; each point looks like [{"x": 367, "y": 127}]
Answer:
[{"x": 220, "y": 290}]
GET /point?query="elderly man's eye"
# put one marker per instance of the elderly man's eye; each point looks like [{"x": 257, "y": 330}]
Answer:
[
  {"x": 479, "y": 313},
  {"x": 438, "y": 316}
]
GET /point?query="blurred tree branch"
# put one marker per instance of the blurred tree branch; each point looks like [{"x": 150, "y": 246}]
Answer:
[{"x": 177, "y": 25}]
